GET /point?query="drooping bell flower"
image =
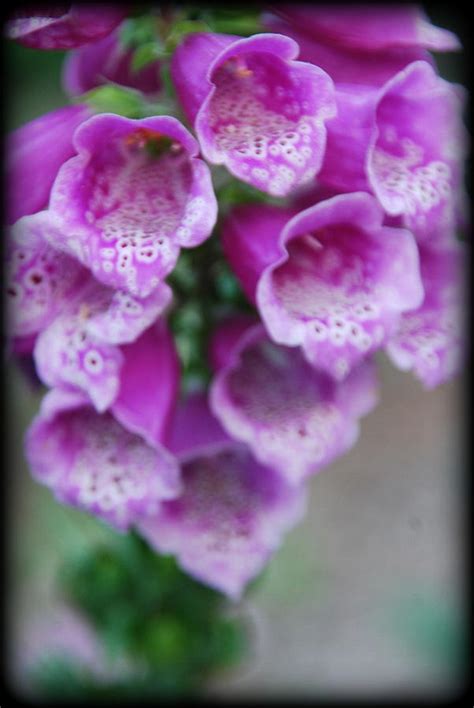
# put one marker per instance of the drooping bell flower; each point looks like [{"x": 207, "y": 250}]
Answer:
[
  {"x": 63, "y": 26},
  {"x": 233, "y": 512},
  {"x": 74, "y": 323},
  {"x": 40, "y": 280},
  {"x": 254, "y": 107},
  {"x": 416, "y": 154},
  {"x": 294, "y": 418},
  {"x": 132, "y": 197},
  {"x": 345, "y": 64},
  {"x": 406, "y": 144},
  {"x": 338, "y": 279},
  {"x": 89, "y": 460},
  {"x": 82, "y": 347},
  {"x": 368, "y": 27},
  {"x": 106, "y": 61},
  {"x": 33, "y": 155},
  {"x": 431, "y": 340}
]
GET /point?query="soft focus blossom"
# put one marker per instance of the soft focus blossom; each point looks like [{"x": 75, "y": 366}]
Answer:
[
  {"x": 368, "y": 27},
  {"x": 107, "y": 61},
  {"x": 294, "y": 418},
  {"x": 255, "y": 109},
  {"x": 232, "y": 513},
  {"x": 416, "y": 154},
  {"x": 132, "y": 197},
  {"x": 92, "y": 462},
  {"x": 34, "y": 153},
  {"x": 431, "y": 340},
  {"x": 405, "y": 143},
  {"x": 63, "y": 26},
  {"x": 39, "y": 281},
  {"x": 80, "y": 348},
  {"x": 340, "y": 280},
  {"x": 344, "y": 63}
]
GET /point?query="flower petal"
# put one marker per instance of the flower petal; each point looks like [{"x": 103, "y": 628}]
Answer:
[
  {"x": 92, "y": 462},
  {"x": 131, "y": 198}
]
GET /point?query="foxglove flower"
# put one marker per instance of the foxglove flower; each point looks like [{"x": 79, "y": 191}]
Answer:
[
  {"x": 346, "y": 64},
  {"x": 39, "y": 280},
  {"x": 232, "y": 513},
  {"x": 107, "y": 61},
  {"x": 80, "y": 322},
  {"x": 34, "y": 154},
  {"x": 415, "y": 156},
  {"x": 340, "y": 280},
  {"x": 431, "y": 340},
  {"x": 64, "y": 27},
  {"x": 406, "y": 144},
  {"x": 132, "y": 197},
  {"x": 92, "y": 462},
  {"x": 81, "y": 347},
  {"x": 255, "y": 109},
  {"x": 294, "y": 418},
  {"x": 366, "y": 28}
]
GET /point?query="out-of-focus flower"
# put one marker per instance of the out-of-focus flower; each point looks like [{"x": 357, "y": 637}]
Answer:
[
  {"x": 340, "y": 280},
  {"x": 405, "y": 143},
  {"x": 416, "y": 154},
  {"x": 294, "y": 418},
  {"x": 345, "y": 64},
  {"x": 361, "y": 44},
  {"x": 91, "y": 461},
  {"x": 431, "y": 340},
  {"x": 255, "y": 109},
  {"x": 369, "y": 28},
  {"x": 132, "y": 197},
  {"x": 63, "y": 26},
  {"x": 34, "y": 154},
  {"x": 39, "y": 279},
  {"x": 107, "y": 61},
  {"x": 80, "y": 348},
  {"x": 232, "y": 513}
]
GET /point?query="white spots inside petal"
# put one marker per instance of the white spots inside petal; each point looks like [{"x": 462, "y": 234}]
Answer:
[
  {"x": 113, "y": 470},
  {"x": 93, "y": 362},
  {"x": 407, "y": 186},
  {"x": 261, "y": 116}
]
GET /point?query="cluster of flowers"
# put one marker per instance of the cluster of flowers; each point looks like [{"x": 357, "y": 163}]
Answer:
[{"x": 338, "y": 111}]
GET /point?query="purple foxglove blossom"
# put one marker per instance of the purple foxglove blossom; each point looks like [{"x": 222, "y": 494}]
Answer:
[
  {"x": 106, "y": 60},
  {"x": 346, "y": 64},
  {"x": 415, "y": 156},
  {"x": 80, "y": 348},
  {"x": 40, "y": 280},
  {"x": 64, "y": 26},
  {"x": 232, "y": 513},
  {"x": 294, "y": 418},
  {"x": 255, "y": 109},
  {"x": 431, "y": 340},
  {"x": 369, "y": 27},
  {"x": 92, "y": 462},
  {"x": 340, "y": 283},
  {"x": 149, "y": 385},
  {"x": 34, "y": 154},
  {"x": 405, "y": 143},
  {"x": 132, "y": 197}
]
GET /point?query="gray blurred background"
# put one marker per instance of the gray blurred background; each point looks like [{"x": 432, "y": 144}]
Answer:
[{"x": 366, "y": 596}]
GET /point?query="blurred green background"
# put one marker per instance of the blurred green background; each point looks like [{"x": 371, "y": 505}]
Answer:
[{"x": 366, "y": 596}]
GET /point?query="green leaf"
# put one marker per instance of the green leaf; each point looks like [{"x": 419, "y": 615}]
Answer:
[
  {"x": 138, "y": 30},
  {"x": 114, "y": 99},
  {"x": 146, "y": 54},
  {"x": 181, "y": 29}
]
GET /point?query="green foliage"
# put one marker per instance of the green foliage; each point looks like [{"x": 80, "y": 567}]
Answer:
[
  {"x": 112, "y": 98},
  {"x": 173, "y": 629}
]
